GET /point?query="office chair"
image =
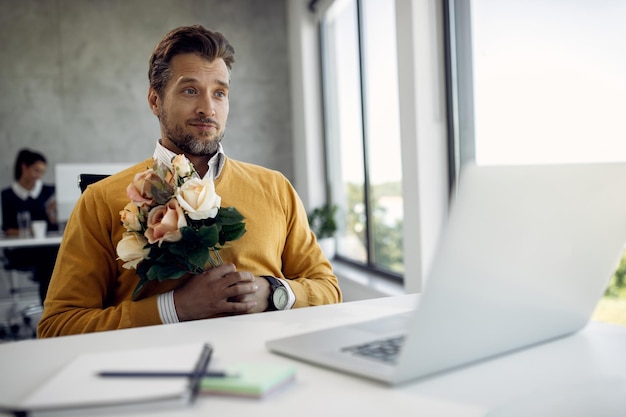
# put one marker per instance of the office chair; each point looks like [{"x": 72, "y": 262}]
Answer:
[
  {"x": 18, "y": 322},
  {"x": 86, "y": 179}
]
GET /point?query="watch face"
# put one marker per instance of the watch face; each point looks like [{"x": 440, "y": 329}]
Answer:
[{"x": 280, "y": 298}]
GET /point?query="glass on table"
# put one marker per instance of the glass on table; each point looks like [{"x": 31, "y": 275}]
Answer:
[{"x": 23, "y": 223}]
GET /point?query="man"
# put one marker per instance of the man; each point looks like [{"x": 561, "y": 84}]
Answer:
[{"x": 92, "y": 291}]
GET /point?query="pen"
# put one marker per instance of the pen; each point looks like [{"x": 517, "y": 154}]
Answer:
[
  {"x": 163, "y": 374},
  {"x": 201, "y": 367}
]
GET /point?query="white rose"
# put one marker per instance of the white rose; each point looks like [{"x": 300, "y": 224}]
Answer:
[
  {"x": 131, "y": 249},
  {"x": 182, "y": 167},
  {"x": 198, "y": 198}
]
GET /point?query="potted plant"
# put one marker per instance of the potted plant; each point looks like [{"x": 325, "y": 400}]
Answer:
[{"x": 322, "y": 223}]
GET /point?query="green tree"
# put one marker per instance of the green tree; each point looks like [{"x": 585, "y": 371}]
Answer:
[{"x": 617, "y": 286}]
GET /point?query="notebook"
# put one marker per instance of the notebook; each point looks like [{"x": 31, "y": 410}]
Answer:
[
  {"x": 250, "y": 379},
  {"x": 525, "y": 256},
  {"x": 77, "y": 389}
]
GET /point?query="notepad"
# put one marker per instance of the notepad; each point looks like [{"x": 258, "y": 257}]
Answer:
[
  {"x": 250, "y": 379},
  {"x": 78, "y": 386}
]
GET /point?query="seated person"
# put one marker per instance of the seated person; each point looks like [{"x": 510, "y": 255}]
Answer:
[
  {"x": 92, "y": 289},
  {"x": 29, "y": 194}
]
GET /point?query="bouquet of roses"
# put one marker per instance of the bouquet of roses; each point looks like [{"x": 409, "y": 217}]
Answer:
[{"x": 174, "y": 223}]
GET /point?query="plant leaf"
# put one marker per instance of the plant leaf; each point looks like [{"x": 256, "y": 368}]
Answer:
[
  {"x": 232, "y": 232},
  {"x": 229, "y": 215},
  {"x": 209, "y": 235}
]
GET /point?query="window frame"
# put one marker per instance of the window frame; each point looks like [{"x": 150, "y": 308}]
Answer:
[
  {"x": 423, "y": 122},
  {"x": 369, "y": 264}
]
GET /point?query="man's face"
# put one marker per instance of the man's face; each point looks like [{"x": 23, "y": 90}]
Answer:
[{"x": 194, "y": 107}]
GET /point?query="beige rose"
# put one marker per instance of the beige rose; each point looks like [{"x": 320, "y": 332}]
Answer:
[
  {"x": 131, "y": 218},
  {"x": 182, "y": 167},
  {"x": 131, "y": 249},
  {"x": 198, "y": 198},
  {"x": 164, "y": 223}
]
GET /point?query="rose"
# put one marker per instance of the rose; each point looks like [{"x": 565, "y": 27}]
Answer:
[
  {"x": 198, "y": 198},
  {"x": 148, "y": 188},
  {"x": 164, "y": 223},
  {"x": 171, "y": 204},
  {"x": 131, "y": 249},
  {"x": 182, "y": 167},
  {"x": 131, "y": 218}
]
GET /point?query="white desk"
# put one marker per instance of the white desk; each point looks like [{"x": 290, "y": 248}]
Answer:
[
  {"x": 6, "y": 242},
  {"x": 51, "y": 239},
  {"x": 471, "y": 391}
]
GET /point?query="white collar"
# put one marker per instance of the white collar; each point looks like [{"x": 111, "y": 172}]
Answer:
[
  {"x": 216, "y": 163},
  {"x": 23, "y": 193}
]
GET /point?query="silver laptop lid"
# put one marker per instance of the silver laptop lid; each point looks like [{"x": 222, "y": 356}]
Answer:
[{"x": 527, "y": 253}]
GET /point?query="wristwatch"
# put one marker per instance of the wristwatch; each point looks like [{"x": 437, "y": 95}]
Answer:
[{"x": 279, "y": 297}]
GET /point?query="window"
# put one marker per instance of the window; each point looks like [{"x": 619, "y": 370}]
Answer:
[
  {"x": 541, "y": 82},
  {"x": 359, "y": 55},
  {"x": 547, "y": 81}
]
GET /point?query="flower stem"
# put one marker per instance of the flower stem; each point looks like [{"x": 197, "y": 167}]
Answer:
[
  {"x": 215, "y": 260},
  {"x": 217, "y": 255}
]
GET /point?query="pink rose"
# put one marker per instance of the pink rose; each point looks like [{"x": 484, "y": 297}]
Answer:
[
  {"x": 149, "y": 188},
  {"x": 164, "y": 223}
]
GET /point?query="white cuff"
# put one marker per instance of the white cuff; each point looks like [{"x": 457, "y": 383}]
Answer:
[{"x": 167, "y": 309}]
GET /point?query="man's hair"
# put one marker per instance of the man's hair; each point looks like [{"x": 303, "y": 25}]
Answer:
[
  {"x": 184, "y": 40},
  {"x": 28, "y": 158}
]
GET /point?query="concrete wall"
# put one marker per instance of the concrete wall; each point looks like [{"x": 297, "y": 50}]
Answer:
[{"x": 73, "y": 78}]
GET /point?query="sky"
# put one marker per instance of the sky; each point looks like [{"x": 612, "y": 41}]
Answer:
[{"x": 549, "y": 80}]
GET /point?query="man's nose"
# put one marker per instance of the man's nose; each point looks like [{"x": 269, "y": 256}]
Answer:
[{"x": 206, "y": 105}]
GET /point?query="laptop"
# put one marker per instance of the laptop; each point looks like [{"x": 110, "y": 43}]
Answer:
[{"x": 526, "y": 254}]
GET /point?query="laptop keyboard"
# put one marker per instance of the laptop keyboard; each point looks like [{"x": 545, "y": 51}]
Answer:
[{"x": 384, "y": 350}]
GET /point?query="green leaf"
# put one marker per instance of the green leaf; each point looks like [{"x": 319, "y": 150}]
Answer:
[
  {"x": 232, "y": 232},
  {"x": 189, "y": 234},
  {"x": 138, "y": 288},
  {"x": 180, "y": 248},
  {"x": 199, "y": 257},
  {"x": 229, "y": 215},
  {"x": 162, "y": 272},
  {"x": 209, "y": 235},
  {"x": 161, "y": 192}
]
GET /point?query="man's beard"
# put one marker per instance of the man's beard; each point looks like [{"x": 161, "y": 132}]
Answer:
[{"x": 188, "y": 143}]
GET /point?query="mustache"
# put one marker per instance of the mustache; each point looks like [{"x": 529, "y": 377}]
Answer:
[{"x": 206, "y": 120}]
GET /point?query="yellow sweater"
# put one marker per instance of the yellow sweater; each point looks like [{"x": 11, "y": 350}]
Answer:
[{"x": 91, "y": 291}]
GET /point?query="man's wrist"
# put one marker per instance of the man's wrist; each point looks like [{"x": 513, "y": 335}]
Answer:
[{"x": 285, "y": 288}]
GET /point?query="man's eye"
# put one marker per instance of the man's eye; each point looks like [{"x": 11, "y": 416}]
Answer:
[{"x": 189, "y": 91}]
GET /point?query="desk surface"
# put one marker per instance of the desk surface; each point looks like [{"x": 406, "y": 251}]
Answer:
[
  {"x": 51, "y": 239},
  {"x": 595, "y": 354}
]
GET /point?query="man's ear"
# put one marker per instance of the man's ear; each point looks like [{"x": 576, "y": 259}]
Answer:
[{"x": 154, "y": 101}]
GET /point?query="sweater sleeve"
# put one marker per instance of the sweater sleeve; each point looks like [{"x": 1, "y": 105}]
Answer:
[
  {"x": 309, "y": 273},
  {"x": 89, "y": 290}
]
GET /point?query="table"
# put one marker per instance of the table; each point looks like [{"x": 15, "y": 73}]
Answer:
[
  {"x": 51, "y": 239},
  {"x": 594, "y": 354},
  {"x": 13, "y": 314}
]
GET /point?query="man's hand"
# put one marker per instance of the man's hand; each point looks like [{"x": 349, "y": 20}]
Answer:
[{"x": 221, "y": 291}]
